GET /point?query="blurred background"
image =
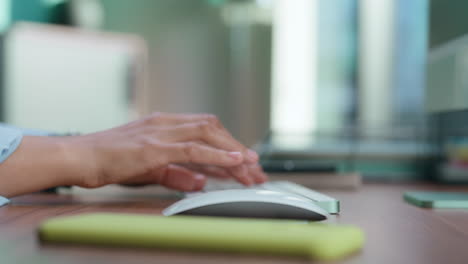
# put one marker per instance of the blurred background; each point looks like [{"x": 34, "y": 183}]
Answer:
[{"x": 374, "y": 87}]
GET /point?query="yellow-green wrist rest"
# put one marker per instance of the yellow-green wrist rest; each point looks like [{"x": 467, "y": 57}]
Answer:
[{"x": 314, "y": 240}]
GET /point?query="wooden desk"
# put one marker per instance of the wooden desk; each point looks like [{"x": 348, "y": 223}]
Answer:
[{"x": 396, "y": 232}]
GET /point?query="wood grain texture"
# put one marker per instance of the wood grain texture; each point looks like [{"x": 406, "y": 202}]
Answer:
[{"x": 396, "y": 232}]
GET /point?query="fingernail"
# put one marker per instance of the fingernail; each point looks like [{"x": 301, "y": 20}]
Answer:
[
  {"x": 252, "y": 156},
  {"x": 235, "y": 155},
  {"x": 199, "y": 177},
  {"x": 199, "y": 182}
]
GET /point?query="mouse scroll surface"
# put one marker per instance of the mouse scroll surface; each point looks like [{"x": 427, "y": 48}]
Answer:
[{"x": 248, "y": 203}]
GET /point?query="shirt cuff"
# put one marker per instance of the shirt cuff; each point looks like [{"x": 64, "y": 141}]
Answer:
[
  {"x": 3, "y": 201},
  {"x": 10, "y": 138}
]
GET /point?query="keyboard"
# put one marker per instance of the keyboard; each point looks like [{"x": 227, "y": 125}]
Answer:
[{"x": 329, "y": 204}]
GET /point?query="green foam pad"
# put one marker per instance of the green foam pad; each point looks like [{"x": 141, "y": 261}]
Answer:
[{"x": 254, "y": 236}]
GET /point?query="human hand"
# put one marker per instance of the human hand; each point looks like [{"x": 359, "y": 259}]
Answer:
[{"x": 174, "y": 150}]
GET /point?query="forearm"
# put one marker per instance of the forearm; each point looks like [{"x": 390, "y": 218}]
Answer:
[{"x": 38, "y": 163}]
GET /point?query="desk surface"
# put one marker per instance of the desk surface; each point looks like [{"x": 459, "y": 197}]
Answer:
[{"x": 396, "y": 232}]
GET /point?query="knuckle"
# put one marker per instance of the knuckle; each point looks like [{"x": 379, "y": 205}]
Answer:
[
  {"x": 213, "y": 119},
  {"x": 190, "y": 151},
  {"x": 205, "y": 127},
  {"x": 155, "y": 118}
]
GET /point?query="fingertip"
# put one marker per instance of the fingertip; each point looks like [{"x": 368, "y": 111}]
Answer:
[
  {"x": 250, "y": 181},
  {"x": 246, "y": 181},
  {"x": 240, "y": 173},
  {"x": 199, "y": 182},
  {"x": 245, "y": 176},
  {"x": 259, "y": 180},
  {"x": 258, "y": 175}
]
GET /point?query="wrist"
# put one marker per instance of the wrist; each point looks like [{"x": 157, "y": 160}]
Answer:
[
  {"x": 40, "y": 163},
  {"x": 80, "y": 165}
]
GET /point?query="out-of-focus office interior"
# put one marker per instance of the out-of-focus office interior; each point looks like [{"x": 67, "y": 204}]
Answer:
[{"x": 376, "y": 88}]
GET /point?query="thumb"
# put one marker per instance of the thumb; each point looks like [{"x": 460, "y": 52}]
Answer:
[{"x": 180, "y": 178}]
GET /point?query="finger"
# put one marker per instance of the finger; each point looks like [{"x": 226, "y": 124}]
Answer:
[
  {"x": 240, "y": 173},
  {"x": 196, "y": 153},
  {"x": 180, "y": 178},
  {"x": 167, "y": 119},
  {"x": 216, "y": 172},
  {"x": 256, "y": 172},
  {"x": 208, "y": 133}
]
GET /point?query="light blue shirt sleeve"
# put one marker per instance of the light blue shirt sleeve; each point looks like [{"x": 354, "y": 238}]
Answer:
[
  {"x": 3, "y": 201},
  {"x": 10, "y": 138}
]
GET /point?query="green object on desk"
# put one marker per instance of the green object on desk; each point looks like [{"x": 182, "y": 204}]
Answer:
[
  {"x": 256, "y": 236},
  {"x": 437, "y": 199}
]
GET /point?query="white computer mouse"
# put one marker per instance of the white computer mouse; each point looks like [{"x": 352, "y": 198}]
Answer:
[{"x": 248, "y": 203}]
